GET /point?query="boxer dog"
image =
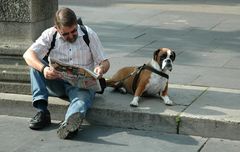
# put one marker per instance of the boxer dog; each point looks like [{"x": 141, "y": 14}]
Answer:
[{"x": 149, "y": 79}]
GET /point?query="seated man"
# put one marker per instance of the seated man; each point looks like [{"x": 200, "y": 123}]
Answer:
[{"x": 70, "y": 48}]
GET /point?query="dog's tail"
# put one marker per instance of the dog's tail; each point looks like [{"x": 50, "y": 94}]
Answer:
[
  {"x": 113, "y": 83},
  {"x": 122, "y": 75},
  {"x": 109, "y": 82}
]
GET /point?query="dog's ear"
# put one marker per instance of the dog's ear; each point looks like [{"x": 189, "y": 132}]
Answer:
[
  {"x": 173, "y": 55},
  {"x": 155, "y": 54}
]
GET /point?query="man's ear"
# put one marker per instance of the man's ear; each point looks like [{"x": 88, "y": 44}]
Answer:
[{"x": 55, "y": 26}]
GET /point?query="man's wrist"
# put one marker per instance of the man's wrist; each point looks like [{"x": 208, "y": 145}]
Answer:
[
  {"x": 102, "y": 68},
  {"x": 42, "y": 69}
]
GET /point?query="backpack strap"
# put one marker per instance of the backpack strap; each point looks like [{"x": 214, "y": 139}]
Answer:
[
  {"x": 52, "y": 43},
  {"x": 85, "y": 37},
  {"x": 52, "y": 46},
  {"x": 84, "y": 30}
]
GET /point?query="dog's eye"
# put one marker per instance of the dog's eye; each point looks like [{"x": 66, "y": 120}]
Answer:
[
  {"x": 163, "y": 57},
  {"x": 172, "y": 57}
]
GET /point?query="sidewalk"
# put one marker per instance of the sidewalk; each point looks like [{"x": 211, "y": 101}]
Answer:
[
  {"x": 199, "y": 111},
  {"x": 204, "y": 34},
  {"x": 19, "y": 138},
  {"x": 204, "y": 83}
]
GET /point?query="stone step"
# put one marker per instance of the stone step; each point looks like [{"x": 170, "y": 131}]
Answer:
[
  {"x": 16, "y": 49},
  {"x": 198, "y": 111},
  {"x": 12, "y": 60},
  {"x": 14, "y": 76},
  {"x": 13, "y": 69},
  {"x": 15, "y": 87}
]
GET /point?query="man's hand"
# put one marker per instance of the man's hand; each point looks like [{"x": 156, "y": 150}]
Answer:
[
  {"x": 51, "y": 73},
  {"x": 102, "y": 68},
  {"x": 99, "y": 70}
]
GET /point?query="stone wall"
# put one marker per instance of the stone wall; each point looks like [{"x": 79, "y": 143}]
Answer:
[
  {"x": 22, "y": 21},
  {"x": 15, "y": 10}
]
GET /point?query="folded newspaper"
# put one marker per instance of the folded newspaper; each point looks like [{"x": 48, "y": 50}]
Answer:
[{"x": 77, "y": 76}]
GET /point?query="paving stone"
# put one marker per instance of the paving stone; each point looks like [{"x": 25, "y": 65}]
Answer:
[
  {"x": 221, "y": 145},
  {"x": 18, "y": 137},
  {"x": 213, "y": 110}
]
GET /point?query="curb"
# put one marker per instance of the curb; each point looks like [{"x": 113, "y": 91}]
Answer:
[{"x": 112, "y": 109}]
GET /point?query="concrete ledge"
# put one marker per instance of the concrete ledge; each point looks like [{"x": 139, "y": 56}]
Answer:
[
  {"x": 135, "y": 119},
  {"x": 215, "y": 113},
  {"x": 210, "y": 127},
  {"x": 105, "y": 111},
  {"x": 21, "y": 105},
  {"x": 112, "y": 109}
]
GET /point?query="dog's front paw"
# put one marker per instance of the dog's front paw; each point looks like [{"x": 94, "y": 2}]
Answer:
[
  {"x": 167, "y": 101},
  {"x": 134, "y": 102}
]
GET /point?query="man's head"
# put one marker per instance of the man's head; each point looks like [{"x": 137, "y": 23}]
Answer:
[{"x": 66, "y": 24}]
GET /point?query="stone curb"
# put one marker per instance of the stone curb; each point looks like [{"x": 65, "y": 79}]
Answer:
[{"x": 112, "y": 109}]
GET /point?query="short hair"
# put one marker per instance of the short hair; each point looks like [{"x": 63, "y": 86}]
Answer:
[{"x": 65, "y": 17}]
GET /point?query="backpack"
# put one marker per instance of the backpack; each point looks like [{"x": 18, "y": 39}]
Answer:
[{"x": 87, "y": 41}]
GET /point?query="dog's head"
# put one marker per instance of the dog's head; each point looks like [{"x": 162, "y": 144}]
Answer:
[{"x": 164, "y": 57}]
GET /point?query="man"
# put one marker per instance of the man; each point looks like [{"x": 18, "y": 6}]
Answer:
[{"x": 70, "y": 48}]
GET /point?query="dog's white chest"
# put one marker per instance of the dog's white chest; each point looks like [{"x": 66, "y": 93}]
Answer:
[{"x": 156, "y": 84}]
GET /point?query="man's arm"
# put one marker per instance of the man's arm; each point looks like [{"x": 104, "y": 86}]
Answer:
[{"x": 33, "y": 61}]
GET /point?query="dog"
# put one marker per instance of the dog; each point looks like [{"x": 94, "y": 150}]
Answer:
[{"x": 149, "y": 79}]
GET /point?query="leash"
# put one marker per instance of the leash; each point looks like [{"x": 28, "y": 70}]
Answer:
[
  {"x": 147, "y": 67},
  {"x": 119, "y": 82}
]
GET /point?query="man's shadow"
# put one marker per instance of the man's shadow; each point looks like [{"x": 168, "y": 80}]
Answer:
[{"x": 124, "y": 137}]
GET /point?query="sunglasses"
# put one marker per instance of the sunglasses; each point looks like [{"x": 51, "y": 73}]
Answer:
[{"x": 72, "y": 32}]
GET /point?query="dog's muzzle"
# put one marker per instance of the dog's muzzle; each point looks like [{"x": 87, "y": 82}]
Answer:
[{"x": 167, "y": 64}]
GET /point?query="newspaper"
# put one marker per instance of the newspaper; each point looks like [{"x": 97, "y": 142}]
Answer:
[{"x": 77, "y": 76}]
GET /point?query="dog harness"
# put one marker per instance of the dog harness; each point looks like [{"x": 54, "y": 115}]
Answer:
[
  {"x": 147, "y": 67},
  {"x": 136, "y": 75}
]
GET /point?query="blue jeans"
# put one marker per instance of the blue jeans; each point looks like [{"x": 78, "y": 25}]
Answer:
[{"x": 80, "y": 99}]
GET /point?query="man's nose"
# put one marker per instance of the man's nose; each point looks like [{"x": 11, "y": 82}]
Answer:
[{"x": 71, "y": 35}]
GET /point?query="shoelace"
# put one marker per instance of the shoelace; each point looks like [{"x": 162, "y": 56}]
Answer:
[{"x": 37, "y": 116}]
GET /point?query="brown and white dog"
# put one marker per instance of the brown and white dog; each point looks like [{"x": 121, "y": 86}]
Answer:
[{"x": 149, "y": 82}]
